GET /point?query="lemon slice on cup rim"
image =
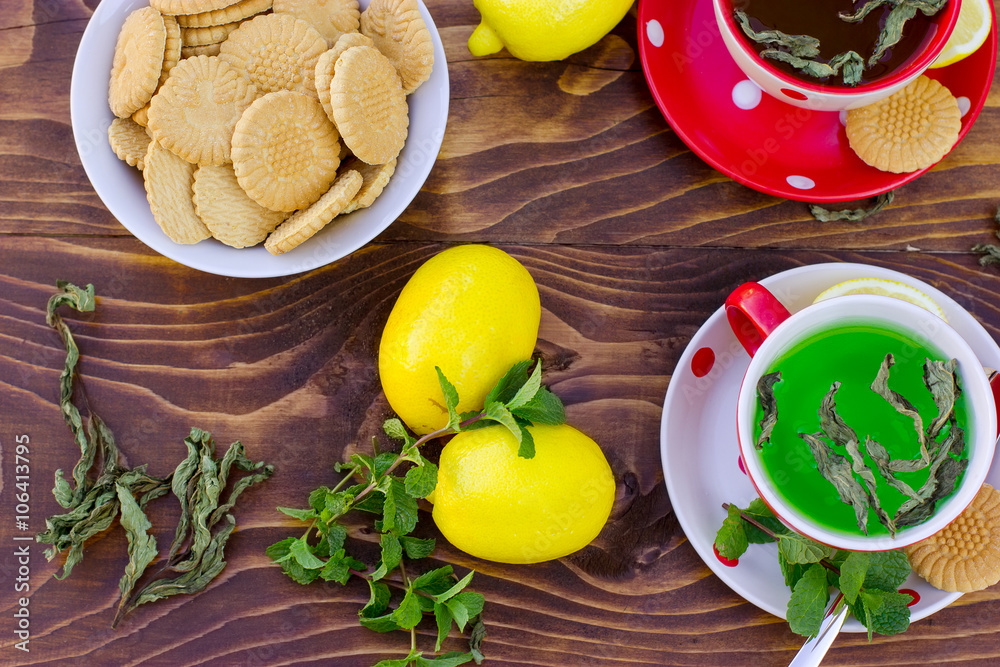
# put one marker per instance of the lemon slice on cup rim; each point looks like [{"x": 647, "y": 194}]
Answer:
[
  {"x": 883, "y": 287},
  {"x": 973, "y": 27}
]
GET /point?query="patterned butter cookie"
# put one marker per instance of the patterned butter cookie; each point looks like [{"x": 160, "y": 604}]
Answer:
[
  {"x": 369, "y": 106},
  {"x": 142, "y": 116},
  {"x": 965, "y": 556},
  {"x": 277, "y": 52},
  {"x": 400, "y": 33},
  {"x": 907, "y": 131},
  {"x": 196, "y": 110},
  {"x": 241, "y": 10},
  {"x": 189, "y": 6},
  {"x": 332, "y": 18},
  {"x": 211, "y": 34},
  {"x": 129, "y": 141},
  {"x": 168, "y": 180},
  {"x": 303, "y": 225},
  {"x": 285, "y": 151},
  {"x": 376, "y": 177},
  {"x": 138, "y": 61},
  {"x": 204, "y": 50},
  {"x": 171, "y": 48},
  {"x": 227, "y": 211},
  {"x": 326, "y": 64}
]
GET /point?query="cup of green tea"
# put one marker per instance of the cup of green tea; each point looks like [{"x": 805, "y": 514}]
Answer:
[
  {"x": 865, "y": 422},
  {"x": 830, "y": 55}
]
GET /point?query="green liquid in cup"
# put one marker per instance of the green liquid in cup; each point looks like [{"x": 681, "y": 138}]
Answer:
[{"x": 851, "y": 355}]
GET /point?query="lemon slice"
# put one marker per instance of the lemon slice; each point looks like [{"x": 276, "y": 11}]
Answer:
[
  {"x": 972, "y": 29},
  {"x": 882, "y": 287}
]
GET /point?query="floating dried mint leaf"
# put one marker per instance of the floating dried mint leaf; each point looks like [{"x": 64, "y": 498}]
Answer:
[
  {"x": 881, "y": 387},
  {"x": 853, "y": 214},
  {"x": 942, "y": 477},
  {"x": 843, "y": 435},
  {"x": 939, "y": 376},
  {"x": 801, "y": 46},
  {"x": 892, "y": 25},
  {"x": 768, "y": 403},
  {"x": 851, "y": 65},
  {"x": 813, "y": 68},
  {"x": 837, "y": 470},
  {"x": 884, "y": 466}
]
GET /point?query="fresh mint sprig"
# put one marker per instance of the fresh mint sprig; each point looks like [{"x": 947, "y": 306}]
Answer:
[
  {"x": 868, "y": 582},
  {"x": 375, "y": 484}
]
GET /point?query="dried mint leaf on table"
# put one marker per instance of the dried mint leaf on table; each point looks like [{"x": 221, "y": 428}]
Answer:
[
  {"x": 852, "y": 214},
  {"x": 117, "y": 492}
]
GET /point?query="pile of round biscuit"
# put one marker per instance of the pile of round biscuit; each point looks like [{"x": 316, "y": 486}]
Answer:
[{"x": 263, "y": 120}]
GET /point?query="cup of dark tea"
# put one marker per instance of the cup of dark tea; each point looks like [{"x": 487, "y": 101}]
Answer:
[
  {"x": 865, "y": 422},
  {"x": 831, "y": 55}
]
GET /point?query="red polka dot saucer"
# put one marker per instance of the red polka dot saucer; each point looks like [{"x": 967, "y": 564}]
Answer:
[{"x": 755, "y": 139}]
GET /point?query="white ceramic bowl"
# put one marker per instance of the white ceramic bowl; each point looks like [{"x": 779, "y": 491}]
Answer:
[
  {"x": 120, "y": 186},
  {"x": 819, "y": 97},
  {"x": 921, "y": 326}
]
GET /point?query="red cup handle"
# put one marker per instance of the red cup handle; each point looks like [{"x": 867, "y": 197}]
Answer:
[{"x": 753, "y": 314}]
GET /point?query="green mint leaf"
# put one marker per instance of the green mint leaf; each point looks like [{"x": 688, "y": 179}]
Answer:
[
  {"x": 297, "y": 573},
  {"x": 890, "y": 614},
  {"x": 481, "y": 423},
  {"x": 303, "y": 554},
  {"x": 510, "y": 383},
  {"x": 528, "y": 389},
  {"x": 476, "y": 636},
  {"x": 383, "y": 462},
  {"x": 759, "y": 511},
  {"x": 443, "y": 618},
  {"x": 852, "y": 574},
  {"x": 392, "y": 553},
  {"x": 543, "y": 408},
  {"x": 864, "y": 616},
  {"x": 888, "y": 570},
  {"x": 379, "y": 623},
  {"x": 301, "y": 515},
  {"x": 400, "y": 509},
  {"x": 402, "y": 662},
  {"x": 317, "y": 498},
  {"x": 417, "y": 548},
  {"x": 807, "y": 603},
  {"x": 408, "y": 614},
  {"x": 373, "y": 502},
  {"x": 798, "y": 549},
  {"x": 434, "y": 582},
  {"x": 527, "y": 447},
  {"x": 792, "y": 572},
  {"x": 731, "y": 540},
  {"x": 421, "y": 479},
  {"x": 378, "y": 602},
  {"x": 394, "y": 429},
  {"x": 280, "y": 551},
  {"x": 450, "y": 659},
  {"x": 454, "y": 590},
  {"x": 458, "y": 612},
  {"x": 499, "y": 413},
  {"x": 363, "y": 462},
  {"x": 335, "y": 536},
  {"x": 339, "y": 567},
  {"x": 450, "y": 400},
  {"x": 472, "y": 601}
]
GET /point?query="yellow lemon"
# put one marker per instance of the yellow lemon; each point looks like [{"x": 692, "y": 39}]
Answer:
[
  {"x": 973, "y": 27},
  {"x": 543, "y": 29},
  {"x": 883, "y": 287},
  {"x": 493, "y": 504},
  {"x": 473, "y": 311}
]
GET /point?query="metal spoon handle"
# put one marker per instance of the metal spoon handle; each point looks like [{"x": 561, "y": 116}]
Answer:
[{"x": 812, "y": 652}]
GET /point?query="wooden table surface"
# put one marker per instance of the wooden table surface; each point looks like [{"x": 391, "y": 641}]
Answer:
[{"x": 633, "y": 241}]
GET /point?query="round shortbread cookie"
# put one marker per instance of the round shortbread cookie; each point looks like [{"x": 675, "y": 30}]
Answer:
[
  {"x": 129, "y": 141},
  {"x": 303, "y": 225},
  {"x": 168, "y": 180},
  {"x": 327, "y": 65},
  {"x": 195, "y": 112},
  {"x": 212, "y": 34},
  {"x": 907, "y": 131},
  {"x": 138, "y": 61},
  {"x": 204, "y": 50},
  {"x": 332, "y": 18},
  {"x": 189, "y": 6},
  {"x": 230, "y": 215},
  {"x": 376, "y": 177},
  {"x": 285, "y": 151},
  {"x": 277, "y": 52},
  {"x": 241, "y": 10},
  {"x": 964, "y": 556},
  {"x": 400, "y": 33},
  {"x": 171, "y": 48},
  {"x": 369, "y": 106}
]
